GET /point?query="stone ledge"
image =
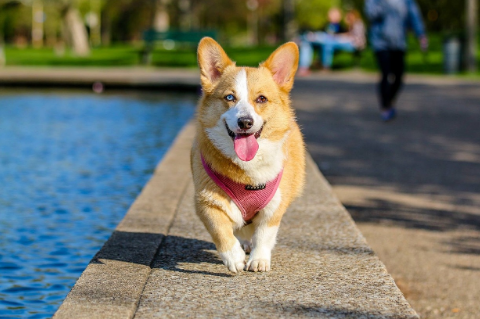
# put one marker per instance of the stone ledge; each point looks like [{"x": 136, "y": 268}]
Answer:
[
  {"x": 160, "y": 261},
  {"x": 131, "y": 78}
]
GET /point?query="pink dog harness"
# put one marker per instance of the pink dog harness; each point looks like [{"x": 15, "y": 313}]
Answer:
[{"x": 249, "y": 199}]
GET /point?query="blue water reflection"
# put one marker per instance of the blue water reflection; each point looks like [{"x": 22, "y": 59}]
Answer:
[{"x": 70, "y": 166}]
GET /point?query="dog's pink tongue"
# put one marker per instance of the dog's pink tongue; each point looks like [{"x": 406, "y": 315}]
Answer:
[{"x": 246, "y": 146}]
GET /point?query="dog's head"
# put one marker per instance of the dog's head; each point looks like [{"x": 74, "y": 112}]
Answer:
[{"x": 242, "y": 106}]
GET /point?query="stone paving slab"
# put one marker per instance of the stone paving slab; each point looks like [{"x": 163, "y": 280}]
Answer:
[{"x": 160, "y": 261}]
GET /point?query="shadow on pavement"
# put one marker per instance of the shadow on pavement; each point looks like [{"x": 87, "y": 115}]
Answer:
[
  {"x": 381, "y": 211},
  {"x": 167, "y": 252},
  {"x": 176, "y": 251},
  {"x": 320, "y": 311},
  {"x": 131, "y": 247},
  {"x": 465, "y": 245},
  {"x": 430, "y": 154}
]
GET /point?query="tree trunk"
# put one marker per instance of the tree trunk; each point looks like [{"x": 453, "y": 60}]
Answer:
[
  {"x": 471, "y": 45},
  {"x": 76, "y": 32},
  {"x": 95, "y": 23},
  {"x": 289, "y": 27},
  {"x": 185, "y": 7},
  {"x": 2, "y": 40},
  {"x": 2, "y": 55},
  {"x": 37, "y": 23},
  {"x": 161, "y": 19}
]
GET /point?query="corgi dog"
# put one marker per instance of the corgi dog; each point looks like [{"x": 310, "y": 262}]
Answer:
[{"x": 248, "y": 156}]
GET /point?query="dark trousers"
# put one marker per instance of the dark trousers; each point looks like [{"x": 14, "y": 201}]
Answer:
[{"x": 392, "y": 66}]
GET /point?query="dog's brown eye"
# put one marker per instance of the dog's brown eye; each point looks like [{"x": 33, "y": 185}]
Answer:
[
  {"x": 230, "y": 98},
  {"x": 261, "y": 99}
]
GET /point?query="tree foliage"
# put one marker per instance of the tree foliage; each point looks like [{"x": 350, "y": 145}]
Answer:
[
  {"x": 312, "y": 14},
  {"x": 125, "y": 20}
]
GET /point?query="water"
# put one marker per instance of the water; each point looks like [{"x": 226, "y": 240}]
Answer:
[{"x": 70, "y": 166}]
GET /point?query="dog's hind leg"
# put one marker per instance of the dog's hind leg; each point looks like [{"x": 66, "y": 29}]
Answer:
[
  {"x": 244, "y": 235},
  {"x": 264, "y": 237}
]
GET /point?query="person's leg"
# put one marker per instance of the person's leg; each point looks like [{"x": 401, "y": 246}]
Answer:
[
  {"x": 384, "y": 87},
  {"x": 306, "y": 54},
  {"x": 329, "y": 48},
  {"x": 344, "y": 46},
  {"x": 327, "y": 55},
  {"x": 397, "y": 62},
  {"x": 306, "y": 57}
]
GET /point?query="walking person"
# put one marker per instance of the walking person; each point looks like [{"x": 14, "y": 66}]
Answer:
[{"x": 390, "y": 20}]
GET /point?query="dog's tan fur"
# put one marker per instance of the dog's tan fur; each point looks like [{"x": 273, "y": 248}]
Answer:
[{"x": 273, "y": 79}]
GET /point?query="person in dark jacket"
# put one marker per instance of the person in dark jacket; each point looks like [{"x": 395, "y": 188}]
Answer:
[{"x": 390, "y": 20}]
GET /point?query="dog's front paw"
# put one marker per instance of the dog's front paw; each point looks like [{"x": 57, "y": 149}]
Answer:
[
  {"x": 258, "y": 265},
  {"x": 234, "y": 259},
  {"x": 258, "y": 261}
]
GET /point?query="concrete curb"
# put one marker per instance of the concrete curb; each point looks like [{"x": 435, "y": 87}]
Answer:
[
  {"x": 132, "y": 78},
  {"x": 173, "y": 78},
  {"x": 160, "y": 261}
]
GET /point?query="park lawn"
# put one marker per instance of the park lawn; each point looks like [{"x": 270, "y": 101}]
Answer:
[
  {"x": 417, "y": 61},
  {"x": 124, "y": 55},
  {"x": 128, "y": 55},
  {"x": 105, "y": 56}
]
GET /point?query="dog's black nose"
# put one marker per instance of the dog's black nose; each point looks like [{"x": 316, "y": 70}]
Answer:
[{"x": 245, "y": 123}]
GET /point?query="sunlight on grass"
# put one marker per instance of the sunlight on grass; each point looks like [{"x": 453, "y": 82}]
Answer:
[{"x": 127, "y": 55}]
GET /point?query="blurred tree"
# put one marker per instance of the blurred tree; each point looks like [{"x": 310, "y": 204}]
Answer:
[
  {"x": 38, "y": 17},
  {"x": 15, "y": 21},
  {"x": 312, "y": 14},
  {"x": 471, "y": 27},
  {"x": 4, "y": 10},
  {"x": 125, "y": 20},
  {"x": 229, "y": 17},
  {"x": 289, "y": 25},
  {"x": 75, "y": 32},
  {"x": 443, "y": 15},
  {"x": 161, "y": 19}
]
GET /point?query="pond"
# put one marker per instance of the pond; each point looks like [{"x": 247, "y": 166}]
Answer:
[{"x": 71, "y": 164}]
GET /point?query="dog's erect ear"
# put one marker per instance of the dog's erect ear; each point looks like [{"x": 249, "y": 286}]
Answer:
[
  {"x": 283, "y": 63},
  {"x": 212, "y": 61}
]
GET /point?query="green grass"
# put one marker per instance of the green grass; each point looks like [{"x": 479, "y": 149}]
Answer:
[
  {"x": 125, "y": 55},
  {"x": 108, "y": 56},
  {"x": 430, "y": 62}
]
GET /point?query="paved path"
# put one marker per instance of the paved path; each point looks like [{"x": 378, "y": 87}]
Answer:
[
  {"x": 160, "y": 262},
  {"x": 412, "y": 186}
]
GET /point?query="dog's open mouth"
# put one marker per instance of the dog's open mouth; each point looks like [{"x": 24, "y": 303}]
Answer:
[{"x": 245, "y": 145}]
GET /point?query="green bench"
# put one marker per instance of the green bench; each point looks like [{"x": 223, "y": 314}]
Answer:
[{"x": 185, "y": 38}]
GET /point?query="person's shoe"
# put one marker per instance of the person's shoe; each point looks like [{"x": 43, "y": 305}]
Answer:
[{"x": 388, "y": 115}]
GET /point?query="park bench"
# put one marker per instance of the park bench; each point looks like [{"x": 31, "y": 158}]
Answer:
[{"x": 176, "y": 37}]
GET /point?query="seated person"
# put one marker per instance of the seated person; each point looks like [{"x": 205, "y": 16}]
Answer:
[{"x": 330, "y": 41}]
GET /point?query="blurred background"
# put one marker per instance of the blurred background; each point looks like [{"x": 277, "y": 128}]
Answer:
[
  {"x": 115, "y": 32},
  {"x": 74, "y": 160}
]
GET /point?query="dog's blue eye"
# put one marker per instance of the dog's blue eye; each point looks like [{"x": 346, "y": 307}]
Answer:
[{"x": 230, "y": 97}]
